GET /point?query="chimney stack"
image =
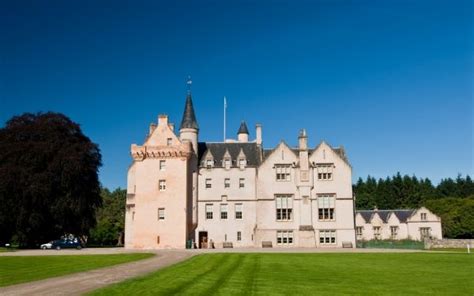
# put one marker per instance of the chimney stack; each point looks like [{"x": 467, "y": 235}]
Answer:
[
  {"x": 303, "y": 140},
  {"x": 162, "y": 119},
  {"x": 258, "y": 133},
  {"x": 152, "y": 127}
]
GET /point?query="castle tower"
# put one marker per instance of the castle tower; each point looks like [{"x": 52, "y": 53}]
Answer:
[
  {"x": 188, "y": 131},
  {"x": 243, "y": 133},
  {"x": 189, "y": 128}
]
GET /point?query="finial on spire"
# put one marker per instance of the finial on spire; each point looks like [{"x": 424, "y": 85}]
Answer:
[{"x": 189, "y": 82}]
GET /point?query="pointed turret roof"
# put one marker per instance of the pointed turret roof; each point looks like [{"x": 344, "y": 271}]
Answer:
[
  {"x": 189, "y": 118},
  {"x": 243, "y": 129}
]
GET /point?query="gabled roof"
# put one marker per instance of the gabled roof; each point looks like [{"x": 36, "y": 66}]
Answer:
[
  {"x": 251, "y": 150},
  {"x": 189, "y": 118},
  {"x": 402, "y": 215},
  {"x": 340, "y": 151},
  {"x": 243, "y": 128},
  {"x": 268, "y": 152}
]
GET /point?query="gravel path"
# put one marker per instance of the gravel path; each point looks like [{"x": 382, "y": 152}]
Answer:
[{"x": 82, "y": 282}]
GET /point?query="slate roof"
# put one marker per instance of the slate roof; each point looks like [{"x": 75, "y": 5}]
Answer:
[
  {"x": 251, "y": 150},
  {"x": 243, "y": 128},
  {"x": 402, "y": 215},
  {"x": 189, "y": 117}
]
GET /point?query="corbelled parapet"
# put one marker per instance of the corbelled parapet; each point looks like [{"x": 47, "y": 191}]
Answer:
[{"x": 139, "y": 153}]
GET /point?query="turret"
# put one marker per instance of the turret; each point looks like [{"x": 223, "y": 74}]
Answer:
[
  {"x": 189, "y": 128},
  {"x": 243, "y": 133}
]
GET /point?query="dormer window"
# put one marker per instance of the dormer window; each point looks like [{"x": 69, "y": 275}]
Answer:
[
  {"x": 242, "y": 163},
  {"x": 209, "y": 163},
  {"x": 423, "y": 216},
  {"x": 227, "y": 163}
]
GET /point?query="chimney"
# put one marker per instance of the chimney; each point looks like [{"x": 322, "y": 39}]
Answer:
[
  {"x": 162, "y": 119},
  {"x": 258, "y": 133},
  {"x": 152, "y": 127},
  {"x": 303, "y": 140}
]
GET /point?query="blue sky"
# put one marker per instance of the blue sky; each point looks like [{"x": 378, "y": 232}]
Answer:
[{"x": 392, "y": 81}]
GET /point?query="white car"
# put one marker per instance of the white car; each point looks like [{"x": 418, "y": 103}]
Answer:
[{"x": 46, "y": 246}]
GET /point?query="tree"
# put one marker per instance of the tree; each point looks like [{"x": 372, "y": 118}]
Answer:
[
  {"x": 110, "y": 219},
  {"x": 48, "y": 179},
  {"x": 457, "y": 215}
]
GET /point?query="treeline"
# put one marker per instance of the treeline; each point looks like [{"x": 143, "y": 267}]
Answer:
[{"x": 451, "y": 199}]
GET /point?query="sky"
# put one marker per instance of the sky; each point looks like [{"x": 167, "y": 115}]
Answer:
[{"x": 391, "y": 81}]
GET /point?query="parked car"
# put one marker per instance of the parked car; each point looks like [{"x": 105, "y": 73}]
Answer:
[
  {"x": 47, "y": 245},
  {"x": 66, "y": 244}
]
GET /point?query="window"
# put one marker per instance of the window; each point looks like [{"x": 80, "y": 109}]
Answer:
[
  {"x": 241, "y": 183},
  {"x": 425, "y": 232},
  {"x": 162, "y": 165},
  {"x": 239, "y": 236},
  {"x": 208, "y": 183},
  {"x": 209, "y": 213},
  {"x": 324, "y": 171},
  {"x": 169, "y": 142},
  {"x": 223, "y": 211},
  {"x": 393, "y": 231},
  {"x": 377, "y": 232},
  {"x": 284, "y": 207},
  {"x": 238, "y": 211},
  {"x": 327, "y": 237},
  {"x": 242, "y": 163},
  {"x": 283, "y": 172},
  {"x": 227, "y": 163},
  {"x": 161, "y": 214},
  {"x": 162, "y": 185},
  {"x": 326, "y": 207},
  {"x": 423, "y": 216},
  {"x": 226, "y": 183},
  {"x": 359, "y": 231},
  {"x": 209, "y": 163},
  {"x": 284, "y": 237}
]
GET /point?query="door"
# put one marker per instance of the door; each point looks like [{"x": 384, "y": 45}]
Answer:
[{"x": 202, "y": 239}]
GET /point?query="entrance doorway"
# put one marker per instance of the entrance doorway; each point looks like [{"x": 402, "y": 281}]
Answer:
[{"x": 202, "y": 239}]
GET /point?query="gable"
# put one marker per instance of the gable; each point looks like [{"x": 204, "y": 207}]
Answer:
[
  {"x": 281, "y": 154},
  {"x": 416, "y": 215},
  {"x": 325, "y": 153},
  {"x": 160, "y": 136}
]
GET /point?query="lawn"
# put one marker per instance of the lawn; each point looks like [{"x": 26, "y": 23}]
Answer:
[
  {"x": 20, "y": 269},
  {"x": 308, "y": 274}
]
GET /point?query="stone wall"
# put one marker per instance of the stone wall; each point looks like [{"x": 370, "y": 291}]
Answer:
[{"x": 448, "y": 243}]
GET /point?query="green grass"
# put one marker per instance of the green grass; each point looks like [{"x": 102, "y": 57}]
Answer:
[
  {"x": 308, "y": 274},
  {"x": 20, "y": 269}
]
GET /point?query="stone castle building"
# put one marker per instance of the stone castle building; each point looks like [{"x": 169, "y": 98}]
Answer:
[
  {"x": 236, "y": 193},
  {"x": 411, "y": 224}
]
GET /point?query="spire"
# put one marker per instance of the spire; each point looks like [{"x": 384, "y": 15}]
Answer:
[
  {"x": 243, "y": 128},
  {"x": 189, "y": 118}
]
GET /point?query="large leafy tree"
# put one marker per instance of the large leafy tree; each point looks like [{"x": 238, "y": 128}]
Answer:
[
  {"x": 48, "y": 179},
  {"x": 110, "y": 219}
]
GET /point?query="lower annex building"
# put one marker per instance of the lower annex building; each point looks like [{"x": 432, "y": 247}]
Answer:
[{"x": 235, "y": 192}]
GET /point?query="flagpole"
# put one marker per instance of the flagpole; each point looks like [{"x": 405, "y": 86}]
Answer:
[{"x": 225, "y": 107}]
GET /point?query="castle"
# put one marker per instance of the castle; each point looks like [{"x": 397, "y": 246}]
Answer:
[{"x": 182, "y": 192}]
